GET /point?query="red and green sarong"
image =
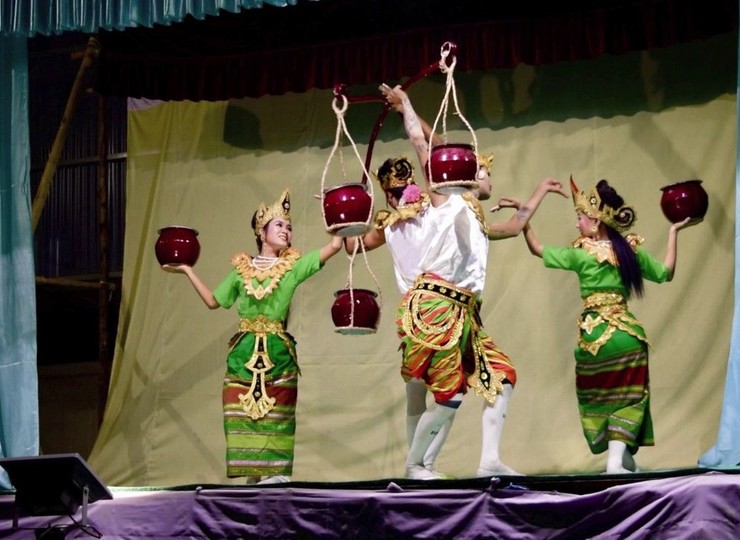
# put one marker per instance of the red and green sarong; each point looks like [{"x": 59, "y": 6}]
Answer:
[
  {"x": 444, "y": 344},
  {"x": 259, "y": 405},
  {"x": 612, "y": 380}
]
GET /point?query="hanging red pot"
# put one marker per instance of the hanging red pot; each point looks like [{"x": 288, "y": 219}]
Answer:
[
  {"x": 347, "y": 209},
  {"x": 454, "y": 167},
  {"x": 684, "y": 199},
  {"x": 177, "y": 245},
  {"x": 355, "y": 311}
]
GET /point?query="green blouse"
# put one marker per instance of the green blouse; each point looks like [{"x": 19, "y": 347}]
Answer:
[
  {"x": 275, "y": 305},
  {"x": 595, "y": 276}
]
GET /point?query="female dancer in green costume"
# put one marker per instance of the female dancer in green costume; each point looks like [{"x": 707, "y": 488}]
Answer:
[
  {"x": 612, "y": 382},
  {"x": 261, "y": 383}
]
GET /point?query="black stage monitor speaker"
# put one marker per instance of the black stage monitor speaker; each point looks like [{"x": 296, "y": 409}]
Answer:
[{"x": 54, "y": 484}]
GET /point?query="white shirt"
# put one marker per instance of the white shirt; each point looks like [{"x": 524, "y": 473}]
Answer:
[
  {"x": 453, "y": 244},
  {"x": 405, "y": 240}
]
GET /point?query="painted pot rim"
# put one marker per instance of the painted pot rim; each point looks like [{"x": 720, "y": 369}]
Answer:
[
  {"x": 349, "y": 184},
  {"x": 682, "y": 182},
  {"x": 367, "y": 291},
  {"x": 452, "y": 145},
  {"x": 181, "y": 227}
]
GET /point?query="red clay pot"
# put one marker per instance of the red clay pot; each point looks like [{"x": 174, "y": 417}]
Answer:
[
  {"x": 177, "y": 245},
  {"x": 684, "y": 199},
  {"x": 454, "y": 167},
  {"x": 347, "y": 209},
  {"x": 366, "y": 311}
]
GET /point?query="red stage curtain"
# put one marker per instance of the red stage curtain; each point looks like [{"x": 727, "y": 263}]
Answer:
[{"x": 320, "y": 44}]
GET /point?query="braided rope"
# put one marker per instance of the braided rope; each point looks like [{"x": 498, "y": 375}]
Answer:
[
  {"x": 342, "y": 130},
  {"x": 370, "y": 271},
  {"x": 444, "y": 107},
  {"x": 358, "y": 244}
]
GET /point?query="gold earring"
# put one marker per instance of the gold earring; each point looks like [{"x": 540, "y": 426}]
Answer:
[{"x": 594, "y": 228}]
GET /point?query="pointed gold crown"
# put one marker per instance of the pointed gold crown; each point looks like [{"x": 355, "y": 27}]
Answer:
[
  {"x": 620, "y": 219},
  {"x": 280, "y": 208},
  {"x": 486, "y": 161},
  {"x": 395, "y": 173}
]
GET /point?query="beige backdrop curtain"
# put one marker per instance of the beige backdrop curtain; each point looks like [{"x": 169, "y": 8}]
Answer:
[{"x": 208, "y": 165}]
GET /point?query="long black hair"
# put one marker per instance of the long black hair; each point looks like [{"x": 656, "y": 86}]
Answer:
[
  {"x": 629, "y": 267},
  {"x": 257, "y": 237}
]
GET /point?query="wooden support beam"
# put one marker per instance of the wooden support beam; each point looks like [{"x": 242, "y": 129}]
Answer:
[
  {"x": 67, "y": 282},
  {"x": 104, "y": 356},
  {"x": 42, "y": 193}
]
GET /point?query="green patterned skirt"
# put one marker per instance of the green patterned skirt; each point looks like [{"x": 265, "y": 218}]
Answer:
[
  {"x": 613, "y": 389},
  {"x": 259, "y": 406}
]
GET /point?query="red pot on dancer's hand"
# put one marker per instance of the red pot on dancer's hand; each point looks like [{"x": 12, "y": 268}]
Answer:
[
  {"x": 683, "y": 200},
  {"x": 177, "y": 245}
]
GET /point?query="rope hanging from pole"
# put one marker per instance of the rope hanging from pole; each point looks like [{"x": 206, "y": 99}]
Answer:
[{"x": 450, "y": 90}]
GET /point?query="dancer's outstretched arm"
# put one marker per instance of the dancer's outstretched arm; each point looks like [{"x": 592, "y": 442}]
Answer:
[
  {"x": 201, "y": 288},
  {"x": 534, "y": 245},
  {"x": 330, "y": 249},
  {"x": 372, "y": 239},
  {"x": 515, "y": 225},
  {"x": 672, "y": 247}
]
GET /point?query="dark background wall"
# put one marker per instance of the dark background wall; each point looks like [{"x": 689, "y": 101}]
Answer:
[{"x": 72, "y": 372}]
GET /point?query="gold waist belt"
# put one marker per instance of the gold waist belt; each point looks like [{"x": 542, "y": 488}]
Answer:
[
  {"x": 611, "y": 308},
  {"x": 459, "y": 295},
  {"x": 256, "y": 402},
  {"x": 603, "y": 299},
  {"x": 261, "y": 325}
]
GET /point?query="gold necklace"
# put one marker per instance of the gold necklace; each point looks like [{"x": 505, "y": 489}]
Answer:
[
  {"x": 264, "y": 263},
  {"x": 247, "y": 268}
]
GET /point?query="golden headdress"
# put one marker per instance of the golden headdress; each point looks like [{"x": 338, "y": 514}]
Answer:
[
  {"x": 486, "y": 161},
  {"x": 280, "y": 208},
  {"x": 395, "y": 173},
  {"x": 620, "y": 219}
]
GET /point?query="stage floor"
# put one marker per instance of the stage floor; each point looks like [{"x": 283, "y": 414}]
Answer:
[{"x": 686, "y": 503}]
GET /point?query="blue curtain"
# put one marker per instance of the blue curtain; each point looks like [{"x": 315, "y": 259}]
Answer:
[
  {"x": 19, "y": 431},
  {"x": 29, "y": 17},
  {"x": 19, "y": 19},
  {"x": 726, "y": 452}
]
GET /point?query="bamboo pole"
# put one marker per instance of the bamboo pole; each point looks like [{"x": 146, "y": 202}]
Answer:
[
  {"x": 67, "y": 282},
  {"x": 42, "y": 193},
  {"x": 103, "y": 231}
]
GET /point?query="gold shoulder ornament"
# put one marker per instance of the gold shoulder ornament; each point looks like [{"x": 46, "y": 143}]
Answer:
[
  {"x": 477, "y": 209},
  {"x": 254, "y": 277},
  {"x": 602, "y": 249},
  {"x": 386, "y": 218}
]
